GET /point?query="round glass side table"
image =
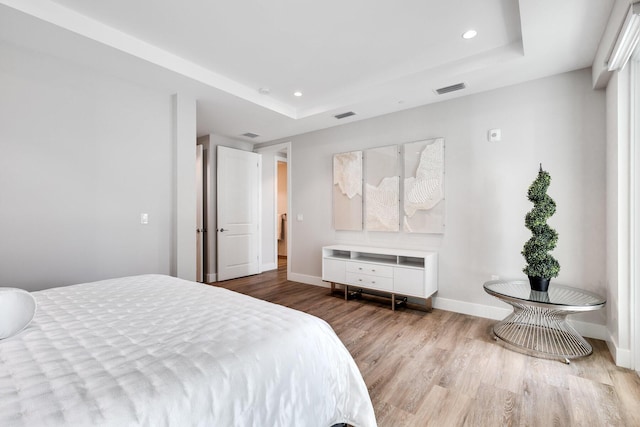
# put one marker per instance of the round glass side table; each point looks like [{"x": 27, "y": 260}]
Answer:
[{"x": 538, "y": 323}]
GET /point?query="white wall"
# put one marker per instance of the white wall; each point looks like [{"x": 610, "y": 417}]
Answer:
[
  {"x": 184, "y": 158},
  {"x": 558, "y": 121},
  {"x": 81, "y": 156}
]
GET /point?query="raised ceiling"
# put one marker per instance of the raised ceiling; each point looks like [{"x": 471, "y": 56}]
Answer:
[{"x": 370, "y": 57}]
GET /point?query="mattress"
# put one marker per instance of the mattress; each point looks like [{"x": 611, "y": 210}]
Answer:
[{"x": 154, "y": 350}]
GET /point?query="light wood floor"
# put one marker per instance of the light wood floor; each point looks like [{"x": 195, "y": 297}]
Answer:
[{"x": 445, "y": 369}]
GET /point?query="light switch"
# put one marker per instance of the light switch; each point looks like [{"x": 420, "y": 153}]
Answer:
[
  {"x": 494, "y": 135},
  {"x": 144, "y": 218},
  {"x": 299, "y": 217}
]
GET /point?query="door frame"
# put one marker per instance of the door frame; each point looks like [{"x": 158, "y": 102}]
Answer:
[
  {"x": 634, "y": 206},
  {"x": 276, "y": 159},
  {"x": 285, "y": 146},
  {"x": 200, "y": 215}
]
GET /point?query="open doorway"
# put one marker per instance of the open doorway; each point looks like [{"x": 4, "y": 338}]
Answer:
[
  {"x": 277, "y": 230},
  {"x": 282, "y": 213}
]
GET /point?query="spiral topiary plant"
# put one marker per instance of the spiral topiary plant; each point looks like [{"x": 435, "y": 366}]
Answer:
[{"x": 541, "y": 265}]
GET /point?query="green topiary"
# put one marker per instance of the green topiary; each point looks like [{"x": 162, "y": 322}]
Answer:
[{"x": 536, "y": 251}]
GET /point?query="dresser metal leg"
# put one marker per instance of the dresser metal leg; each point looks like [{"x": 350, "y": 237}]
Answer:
[{"x": 429, "y": 304}]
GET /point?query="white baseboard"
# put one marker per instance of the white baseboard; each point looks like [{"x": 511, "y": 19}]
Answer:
[
  {"x": 268, "y": 267},
  {"x": 586, "y": 329},
  {"x": 621, "y": 356},
  {"x": 212, "y": 278},
  {"x": 307, "y": 279},
  {"x": 472, "y": 309},
  {"x": 590, "y": 330}
]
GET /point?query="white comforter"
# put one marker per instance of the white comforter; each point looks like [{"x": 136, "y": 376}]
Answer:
[{"x": 154, "y": 350}]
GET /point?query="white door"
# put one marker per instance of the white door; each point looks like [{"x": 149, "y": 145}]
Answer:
[
  {"x": 199, "y": 216},
  {"x": 238, "y": 213}
]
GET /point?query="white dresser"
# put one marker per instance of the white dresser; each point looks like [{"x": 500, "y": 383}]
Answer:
[{"x": 402, "y": 272}]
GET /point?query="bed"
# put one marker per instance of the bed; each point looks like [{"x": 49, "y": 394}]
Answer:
[{"x": 154, "y": 350}]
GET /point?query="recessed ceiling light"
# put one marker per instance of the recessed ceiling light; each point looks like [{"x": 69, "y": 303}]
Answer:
[
  {"x": 297, "y": 93},
  {"x": 469, "y": 34}
]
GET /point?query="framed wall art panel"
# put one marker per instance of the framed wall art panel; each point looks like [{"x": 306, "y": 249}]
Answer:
[
  {"x": 347, "y": 191},
  {"x": 423, "y": 202},
  {"x": 382, "y": 189}
]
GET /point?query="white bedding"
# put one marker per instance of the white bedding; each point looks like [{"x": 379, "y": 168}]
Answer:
[{"x": 155, "y": 350}]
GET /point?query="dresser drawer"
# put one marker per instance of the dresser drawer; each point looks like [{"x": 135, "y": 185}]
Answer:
[
  {"x": 370, "y": 269},
  {"x": 371, "y": 282}
]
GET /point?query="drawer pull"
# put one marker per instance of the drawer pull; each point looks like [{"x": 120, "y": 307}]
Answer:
[
  {"x": 373, "y": 270},
  {"x": 359, "y": 268}
]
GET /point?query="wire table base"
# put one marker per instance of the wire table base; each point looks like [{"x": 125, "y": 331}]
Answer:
[
  {"x": 541, "y": 332},
  {"x": 538, "y": 324}
]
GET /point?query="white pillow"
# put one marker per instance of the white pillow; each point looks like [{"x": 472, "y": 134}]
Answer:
[{"x": 17, "y": 308}]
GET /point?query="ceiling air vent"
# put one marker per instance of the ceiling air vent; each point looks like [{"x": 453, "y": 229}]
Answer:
[
  {"x": 452, "y": 88},
  {"x": 343, "y": 115},
  {"x": 250, "y": 135}
]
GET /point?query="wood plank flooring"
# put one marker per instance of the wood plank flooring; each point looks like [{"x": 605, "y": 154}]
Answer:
[{"x": 445, "y": 369}]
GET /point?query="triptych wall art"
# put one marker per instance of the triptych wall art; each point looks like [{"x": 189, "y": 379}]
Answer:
[{"x": 422, "y": 196}]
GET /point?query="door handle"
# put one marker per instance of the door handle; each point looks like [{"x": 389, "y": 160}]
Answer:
[{"x": 222, "y": 230}]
